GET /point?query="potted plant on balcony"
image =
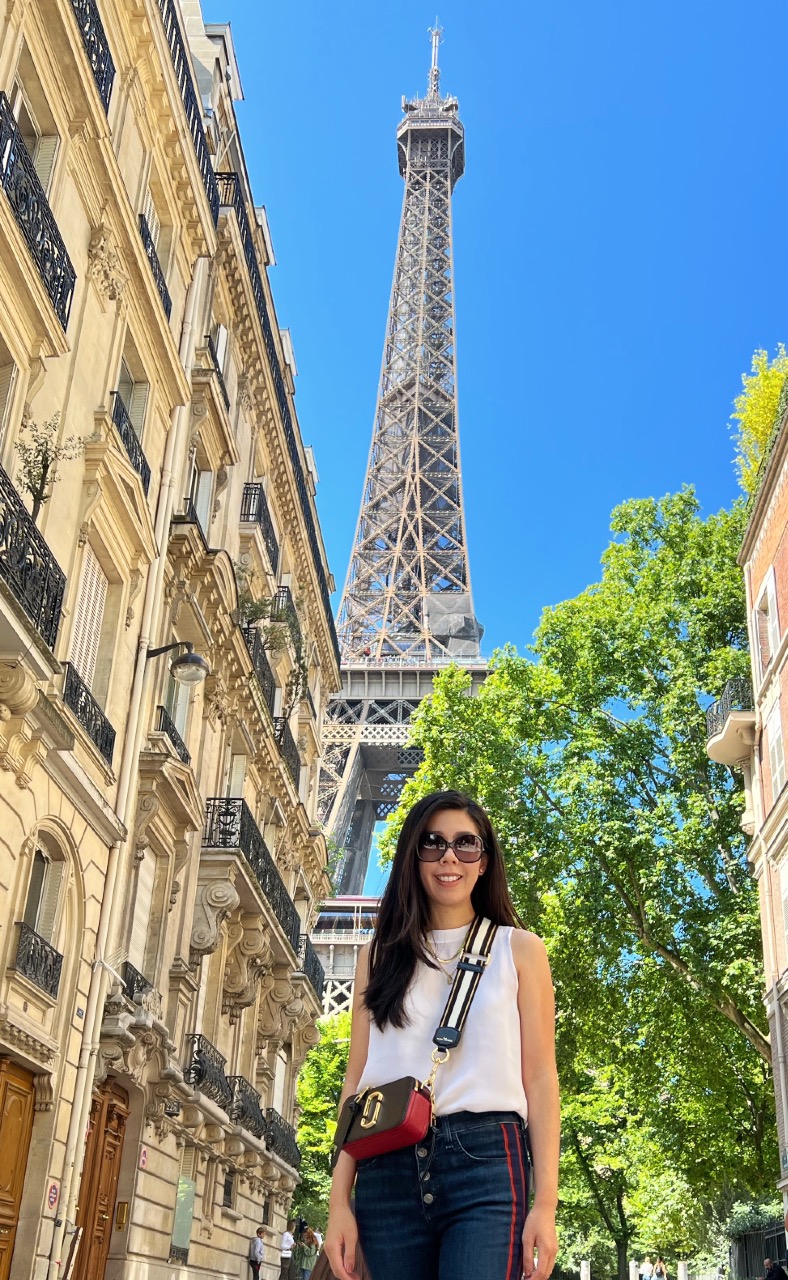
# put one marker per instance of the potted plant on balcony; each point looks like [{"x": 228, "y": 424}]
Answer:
[{"x": 40, "y": 453}]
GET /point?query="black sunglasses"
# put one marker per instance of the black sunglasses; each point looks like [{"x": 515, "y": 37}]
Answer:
[{"x": 432, "y": 846}]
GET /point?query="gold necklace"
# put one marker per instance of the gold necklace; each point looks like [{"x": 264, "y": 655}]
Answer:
[{"x": 448, "y": 976}]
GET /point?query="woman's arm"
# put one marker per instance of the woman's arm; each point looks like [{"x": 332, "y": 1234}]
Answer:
[
  {"x": 341, "y": 1233},
  {"x": 536, "y": 1005}
]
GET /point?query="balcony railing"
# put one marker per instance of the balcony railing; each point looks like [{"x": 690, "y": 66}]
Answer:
[
  {"x": 262, "y": 669},
  {"x": 310, "y": 966},
  {"x": 283, "y": 610},
  {"x": 255, "y": 510},
  {"x": 188, "y": 515},
  {"x": 165, "y": 724},
  {"x": 183, "y": 74},
  {"x": 28, "y": 566},
  {"x": 155, "y": 266},
  {"x": 204, "y": 1070},
  {"x": 229, "y": 825},
  {"x": 736, "y": 696},
  {"x": 34, "y": 216},
  {"x": 178, "y": 1253},
  {"x": 38, "y": 960},
  {"x": 96, "y": 47},
  {"x": 217, "y": 370},
  {"x": 245, "y": 1107},
  {"x": 231, "y": 196},
  {"x": 120, "y": 416},
  {"x": 80, "y": 700},
  {"x": 280, "y": 1137},
  {"x": 288, "y": 749},
  {"x": 135, "y": 984}
]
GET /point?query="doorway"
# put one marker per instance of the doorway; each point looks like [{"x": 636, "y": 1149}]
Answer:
[
  {"x": 16, "y": 1124},
  {"x": 107, "y": 1126}
]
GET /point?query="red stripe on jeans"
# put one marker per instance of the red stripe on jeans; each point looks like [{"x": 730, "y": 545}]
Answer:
[{"x": 513, "y": 1229}]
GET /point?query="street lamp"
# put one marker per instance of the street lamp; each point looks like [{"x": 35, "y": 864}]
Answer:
[{"x": 188, "y": 668}]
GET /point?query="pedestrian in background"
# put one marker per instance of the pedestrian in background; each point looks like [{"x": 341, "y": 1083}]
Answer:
[
  {"x": 306, "y": 1255},
  {"x": 256, "y": 1253},
  {"x": 287, "y": 1270},
  {"x": 647, "y": 1269},
  {"x": 456, "y": 1203},
  {"x": 660, "y": 1270}
]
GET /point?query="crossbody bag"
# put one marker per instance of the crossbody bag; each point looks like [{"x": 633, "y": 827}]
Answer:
[{"x": 390, "y": 1116}]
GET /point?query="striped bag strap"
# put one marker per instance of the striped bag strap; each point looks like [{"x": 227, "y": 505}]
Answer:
[{"x": 474, "y": 958}]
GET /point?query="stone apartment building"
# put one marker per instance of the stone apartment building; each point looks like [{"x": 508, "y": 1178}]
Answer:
[
  {"x": 747, "y": 728},
  {"x": 166, "y": 652}
]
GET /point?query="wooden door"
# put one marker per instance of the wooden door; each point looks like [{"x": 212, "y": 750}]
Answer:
[
  {"x": 16, "y": 1124},
  {"x": 106, "y": 1128}
]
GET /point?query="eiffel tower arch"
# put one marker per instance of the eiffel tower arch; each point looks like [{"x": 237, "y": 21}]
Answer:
[{"x": 407, "y": 609}]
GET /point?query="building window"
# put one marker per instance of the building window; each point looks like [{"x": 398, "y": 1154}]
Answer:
[
  {"x": 43, "y": 894},
  {"x": 280, "y": 1080},
  {"x": 89, "y": 619},
  {"x": 176, "y": 703},
  {"x": 228, "y": 1190},
  {"x": 184, "y": 1206},
  {"x": 199, "y": 493},
  {"x": 774, "y": 738},
  {"x": 8, "y": 376},
  {"x": 766, "y": 625},
  {"x": 36, "y": 125},
  {"x": 133, "y": 389},
  {"x": 143, "y": 904},
  {"x": 235, "y": 775}
]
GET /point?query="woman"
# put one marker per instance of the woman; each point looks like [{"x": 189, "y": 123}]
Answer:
[
  {"x": 306, "y": 1254},
  {"x": 455, "y": 1205}
]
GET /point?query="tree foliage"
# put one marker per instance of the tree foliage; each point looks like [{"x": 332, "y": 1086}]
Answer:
[
  {"x": 624, "y": 850},
  {"x": 317, "y": 1095},
  {"x": 39, "y": 457},
  {"x": 756, "y": 411}
]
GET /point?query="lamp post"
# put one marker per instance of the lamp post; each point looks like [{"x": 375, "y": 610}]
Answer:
[{"x": 189, "y": 667}]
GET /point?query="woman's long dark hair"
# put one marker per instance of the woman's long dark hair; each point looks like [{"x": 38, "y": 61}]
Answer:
[{"x": 404, "y": 915}]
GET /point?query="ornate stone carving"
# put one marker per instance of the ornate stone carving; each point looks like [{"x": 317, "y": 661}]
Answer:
[
  {"x": 249, "y": 955},
  {"x": 104, "y": 265},
  {"x": 215, "y": 901},
  {"x": 147, "y": 808}
]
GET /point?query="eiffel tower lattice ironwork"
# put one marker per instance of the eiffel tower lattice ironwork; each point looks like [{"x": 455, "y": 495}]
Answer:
[{"x": 406, "y": 608}]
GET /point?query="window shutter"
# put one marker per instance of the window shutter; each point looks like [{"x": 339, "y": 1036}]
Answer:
[
  {"x": 236, "y": 776},
  {"x": 7, "y": 382},
  {"x": 152, "y": 218},
  {"x": 50, "y": 899},
  {"x": 146, "y": 875},
  {"x": 188, "y": 1163},
  {"x": 35, "y": 890},
  {"x": 136, "y": 407},
  {"x": 771, "y": 614},
  {"x": 44, "y": 159},
  {"x": 220, "y": 344},
  {"x": 776, "y": 752},
  {"x": 89, "y": 616},
  {"x": 177, "y": 704},
  {"x": 202, "y": 502}
]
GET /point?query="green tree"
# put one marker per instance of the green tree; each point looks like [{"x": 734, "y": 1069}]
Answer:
[
  {"x": 39, "y": 458},
  {"x": 757, "y": 410},
  {"x": 319, "y": 1087},
  {"x": 624, "y": 850}
]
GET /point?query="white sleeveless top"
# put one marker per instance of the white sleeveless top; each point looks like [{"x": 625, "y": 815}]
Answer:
[{"x": 485, "y": 1072}]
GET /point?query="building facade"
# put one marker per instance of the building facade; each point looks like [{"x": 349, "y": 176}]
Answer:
[
  {"x": 747, "y": 728},
  {"x": 166, "y": 653}
]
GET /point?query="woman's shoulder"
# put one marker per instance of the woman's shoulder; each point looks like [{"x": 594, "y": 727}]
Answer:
[{"x": 527, "y": 948}]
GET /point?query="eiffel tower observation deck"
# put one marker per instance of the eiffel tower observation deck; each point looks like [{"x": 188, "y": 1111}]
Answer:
[{"x": 407, "y": 608}]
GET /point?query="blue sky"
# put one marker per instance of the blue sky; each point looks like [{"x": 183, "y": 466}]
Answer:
[{"x": 620, "y": 251}]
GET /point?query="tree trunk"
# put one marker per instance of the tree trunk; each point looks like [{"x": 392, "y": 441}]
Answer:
[{"x": 622, "y": 1254}]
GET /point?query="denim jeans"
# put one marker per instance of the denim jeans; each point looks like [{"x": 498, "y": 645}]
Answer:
[{"x": 452, "y": 1208}]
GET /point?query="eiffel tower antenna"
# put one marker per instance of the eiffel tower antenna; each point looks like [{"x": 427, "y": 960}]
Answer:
[{"x": 406, "y": 608}]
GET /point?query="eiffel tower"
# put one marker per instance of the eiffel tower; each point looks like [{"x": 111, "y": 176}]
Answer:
[{"x": 406, "y": 608}]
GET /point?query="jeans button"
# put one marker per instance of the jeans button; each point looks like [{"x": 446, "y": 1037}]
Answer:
[
  {"x": 425, "y": 1177},
  {"x": 428, "y": 1199},
  {"x": 421, "y": 1152}
]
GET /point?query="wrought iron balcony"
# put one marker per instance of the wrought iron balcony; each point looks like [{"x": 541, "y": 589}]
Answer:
[
  {"x": 730, "y": 724},
  {"x": 155, "y": 266},
  {"x": 80, "y": 700},
  {"x": 231, "y": 196},
  {"x": 183, "y": 74},
  {"x": 262, "y": 669},
  {"x": 38, "y": 960},
  {"x": 310, "y": 966},
  {"x": 34, "y": 216},
  {"x": 188, "y": 515},
  {"x": 229, "y": 825},
  {"x": 120, "y": 416},
  {"x": 255, "y": 510},
  {"x": 736, "y": 696},
  {"x": 96, "y": 47},
  {"x": 178, "y": 1254},
  {"x": 135, "y": 984},
  {"x": 245, "y": 1107},
  {"x": 28, "y": 566},
  {"x": 288, "y": 749},
  {"x": 283, "y": 610},
  {"x": 204, "y": 1070},
  {"x": 217, "y": 370},
  {"x": 165, "y": 724},
  {"x": 280, "y": 1137}
]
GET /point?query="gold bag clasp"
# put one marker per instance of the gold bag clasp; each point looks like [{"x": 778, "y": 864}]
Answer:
[{"x": 369, "y": 1116}]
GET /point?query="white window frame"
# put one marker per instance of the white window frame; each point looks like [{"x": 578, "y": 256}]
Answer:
[
  {"x": 45, "y": 885},
  {"x": 45, "y": 146},
  {"x": 776, "y": 747},
  {"x": 134, "y": 395},
  {"x": 766, "y": 624},
  {"x": 89, "y": 616}
]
